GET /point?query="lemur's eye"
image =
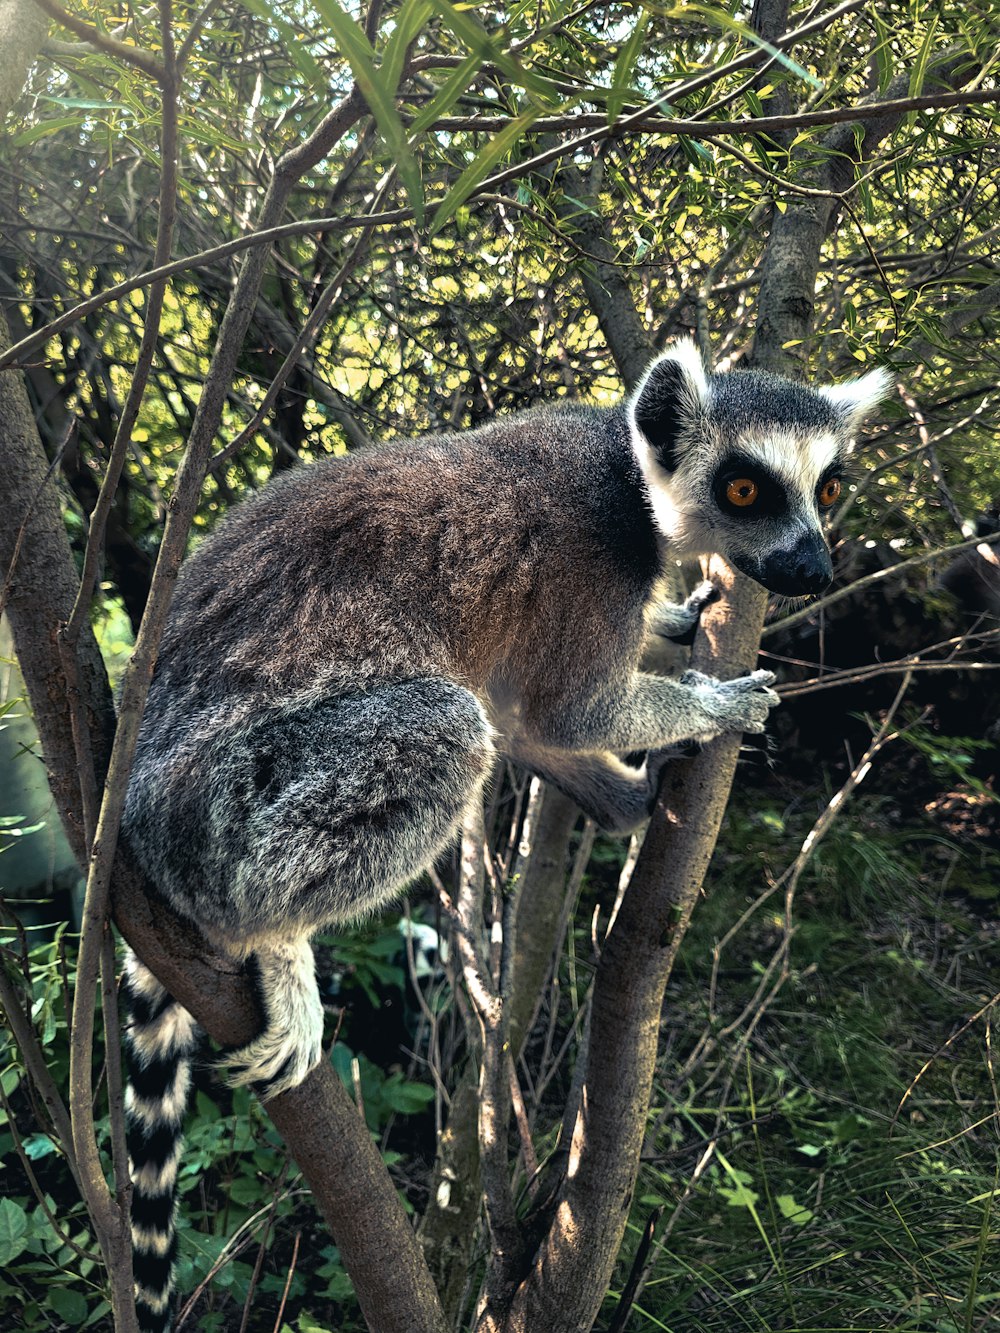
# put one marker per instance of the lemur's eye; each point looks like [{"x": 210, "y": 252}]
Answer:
[
  {"x": 829, "y": 492},
  {"x": 742, "y": 491}
]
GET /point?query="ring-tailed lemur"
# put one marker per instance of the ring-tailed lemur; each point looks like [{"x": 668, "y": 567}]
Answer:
[{"x": 349, "y": 652}]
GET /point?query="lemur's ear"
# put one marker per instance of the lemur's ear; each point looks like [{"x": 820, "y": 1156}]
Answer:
[
  {"x": 673, "y": 393},
  {"x": 854, "y": 399}
]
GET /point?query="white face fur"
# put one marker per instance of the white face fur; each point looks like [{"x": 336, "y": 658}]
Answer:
[{"x": 745, "y": 463}]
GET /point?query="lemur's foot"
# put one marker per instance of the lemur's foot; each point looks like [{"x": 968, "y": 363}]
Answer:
[{"x": 291, "y": 1043}]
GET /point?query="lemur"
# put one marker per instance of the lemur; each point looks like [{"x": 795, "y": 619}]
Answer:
[{"x": 352, "y": 649}]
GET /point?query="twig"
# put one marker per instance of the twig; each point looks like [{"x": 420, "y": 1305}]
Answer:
[
  {"x": 309, "y": 330},
  {"x": 695, "y": 128},
  {"x": 113, "y": 1066},
  {"x": 262, "y": 1247},
  {"x": 531, "y": 1169},
  {"x": 288, "y": 1281},
  {"x": 630, "y": 1291},
  {"x": 233, "y": 1247},
  {"x": 197, "y": 23},
  {"x": 905, "y": 664},
  {"x": 984, "y": 1009},
  {"x": 927, "y": 444}
]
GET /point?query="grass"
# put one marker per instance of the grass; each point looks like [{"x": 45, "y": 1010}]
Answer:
[{"x": 832, "y": 1162}]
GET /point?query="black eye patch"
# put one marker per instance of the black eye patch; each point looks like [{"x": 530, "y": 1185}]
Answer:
[{"x": 770, "y": 500}]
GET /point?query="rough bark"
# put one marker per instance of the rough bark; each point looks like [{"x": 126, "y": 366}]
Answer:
[
  {"x": 22, "y": 30},
  {"x": 450, "y": 1222},
  {"x": 542, "y": 891}
]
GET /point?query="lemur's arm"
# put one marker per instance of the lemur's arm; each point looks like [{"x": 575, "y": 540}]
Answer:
[{"x": 653, "y": 712}]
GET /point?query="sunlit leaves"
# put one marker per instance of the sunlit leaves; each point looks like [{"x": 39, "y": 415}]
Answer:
[{"x": 479, "y": 168}]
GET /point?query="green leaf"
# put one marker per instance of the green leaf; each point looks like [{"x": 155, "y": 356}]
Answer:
[
  {"x": 246, "y": 1190},
  {"x": 725, "y": 21},
  {"x": 38, "y": 1145},
  {"x": 883, "y": 52},
  {"x": 794, "y": 1212},
  {"x": 919, "y": 72},
  {"x": 13, "y": 1230},
  {"x": 101, "y": 1309},
  {"x": 471, "y": 30},
  {"x": 448, "y": 94},
  {"x": 480, "y": 167},
  {"x": 622, "y": 77},
  {"x": 68, "y": 1304},
  {"x": 85, "y": 103},
  {"x": 407, "y": 1098},
  {"x": 36, "y": 132},
  {"x": 410, "y": 18},
  {"x": 356, "y": 49}
]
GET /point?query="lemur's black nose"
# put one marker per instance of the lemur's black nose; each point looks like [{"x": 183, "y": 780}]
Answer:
[{"x": 803, "y": 568}]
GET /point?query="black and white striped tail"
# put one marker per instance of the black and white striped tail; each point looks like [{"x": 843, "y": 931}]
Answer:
[{"x": 161, "y": 1038}]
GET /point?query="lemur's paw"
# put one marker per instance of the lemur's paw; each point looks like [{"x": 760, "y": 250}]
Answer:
[
  {"x": 704, "y": 595},
  {"x": 736, "y": 705},
  {"x": 278, "y": 1059},
  {"x": 679, "y": 623}
]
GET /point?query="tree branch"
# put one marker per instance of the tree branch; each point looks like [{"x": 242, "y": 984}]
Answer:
[{"x": 102, "y": 41}]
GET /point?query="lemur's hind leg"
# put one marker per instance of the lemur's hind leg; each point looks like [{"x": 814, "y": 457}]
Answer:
[
  {"x": 618, "y": 796},
  {"x": 330, "y": 810}
]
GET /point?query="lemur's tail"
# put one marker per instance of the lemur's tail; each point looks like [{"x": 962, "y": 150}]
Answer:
[{"x": 160, "y": 1039}]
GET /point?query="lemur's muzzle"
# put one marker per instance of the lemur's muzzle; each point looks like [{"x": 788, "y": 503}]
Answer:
[{"x": 803, "y": 568}]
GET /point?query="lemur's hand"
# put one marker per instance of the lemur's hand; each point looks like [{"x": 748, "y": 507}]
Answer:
[{"x": 735, "y": 705}]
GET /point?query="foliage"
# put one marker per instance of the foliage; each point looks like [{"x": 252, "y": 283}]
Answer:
[
  {"x": 842, "y": 1171},
  {"x": 242, "y": 1200},
  {"x": 820, "y": 1152}
]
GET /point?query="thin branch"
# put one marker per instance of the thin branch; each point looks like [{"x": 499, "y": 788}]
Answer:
[
  {"x": 311, "y": 328},
  {"x": 197, "y": 23},
  {"x": 38, "y": 1071},
  {"x": 649, "y": 122},
  {"x": 102, "y": 41},
  {"x": 857, "y": 677},
  {"x": 54, "y": 1222}
]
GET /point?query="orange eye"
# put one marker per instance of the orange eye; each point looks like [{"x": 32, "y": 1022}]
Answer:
[
  {"x": 742, "y": 492},
  {"x": 830, "y": 492}
]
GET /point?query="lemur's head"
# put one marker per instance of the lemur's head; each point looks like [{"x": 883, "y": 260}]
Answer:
[{"x": 747, "y": 463}]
